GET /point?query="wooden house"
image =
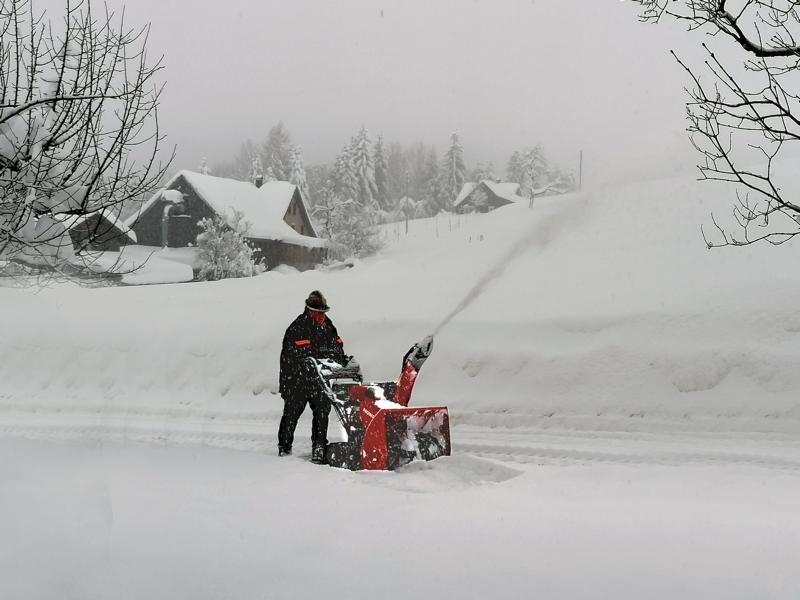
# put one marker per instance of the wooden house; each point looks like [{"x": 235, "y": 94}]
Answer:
[
  {"x": 280, "y": 226},
  {"x": 486, "y": 195},
  {"x": 99, "y": 230}
]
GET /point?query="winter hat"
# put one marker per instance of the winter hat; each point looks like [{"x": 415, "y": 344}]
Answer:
[{"x": 316, "y": 301}]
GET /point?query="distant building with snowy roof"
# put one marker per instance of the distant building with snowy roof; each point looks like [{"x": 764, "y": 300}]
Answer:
[
  {"x": 98, "y": 230},
  {"x": 486, "y": 195},
  {"x": 280, "y": 226}
]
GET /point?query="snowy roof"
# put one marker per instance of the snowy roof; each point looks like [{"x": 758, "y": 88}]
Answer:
[
  {"x": 465, "y": 191},
  {"x": 264, "y": 208},
  {"x": 506, "y": 190},
  {"x": 71, "y": 221}
]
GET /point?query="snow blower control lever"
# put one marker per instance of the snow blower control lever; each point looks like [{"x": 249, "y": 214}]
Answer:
[{"x": 380, "y": 431}]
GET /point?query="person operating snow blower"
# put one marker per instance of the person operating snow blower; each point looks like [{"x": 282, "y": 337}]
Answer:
[{"x": 311, "y": 335}]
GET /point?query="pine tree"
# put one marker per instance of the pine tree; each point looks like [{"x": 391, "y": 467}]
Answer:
[
  {"x": 514, "y": 169},
  {"x": 318, "y": 179},
  {"x": 297, "y": 172},
  {"x": 364, "y": 171},
  {"x": 482, "y": 172},
  {"x": 240, "y": 167},
  {"x": 490, "y": 171},
  {"x": 453, "y": 172},
  {"x": 344, "y": 184},
  {"x": 432, "y": 199},
  {"x": 349, "y": 209},
  {"x": 397, "y": 171},
  {"x": 276, "y": 152},
  {"x": 346, "y": 223},
  {"x": 381, "y": 174},
  {"x": 256, "y": 170}
]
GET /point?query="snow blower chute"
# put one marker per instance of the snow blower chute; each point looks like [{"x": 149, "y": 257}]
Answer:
[{"x": 380, "y": 430}]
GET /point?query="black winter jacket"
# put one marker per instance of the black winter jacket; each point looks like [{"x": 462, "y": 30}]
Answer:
[{"x": 304, "y": 339}]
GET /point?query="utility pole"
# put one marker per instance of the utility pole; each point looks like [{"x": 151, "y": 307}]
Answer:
[
  {"x": 533, "y": 185},
  {"x": 580, "y": 170},
  {"x": 408, "y": 178}
]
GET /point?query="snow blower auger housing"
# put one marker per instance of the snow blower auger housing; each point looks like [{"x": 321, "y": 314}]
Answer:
[{"x": 381, "y": 431}]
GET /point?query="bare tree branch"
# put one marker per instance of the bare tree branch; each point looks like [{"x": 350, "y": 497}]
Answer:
[
  {"x": 742, "y": 117},
  {"x": 78, "y": 101}
]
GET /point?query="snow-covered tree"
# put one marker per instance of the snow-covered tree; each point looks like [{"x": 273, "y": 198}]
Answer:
[
  {"x": 364, "y": 166},
  {"x": 317, "y": 178},
  {"x": 535, "y": 171},
  {"x": 514, "y": 170},
  {"x": 561, "y": 182},
  {"x": 483, "y": 172},
  {"x": 256, "y": 170},
  {"x": 344, "y": 183},
  {"x": 224, "y": 251},
  {"x": 347, "y": 225},
  {"x": 397, "y": 171},
  {"x": 349, "y": 209},
  {"x": 76, "y": 95},
  {"x": 381, "y": 174},
  {"x": 431, "y": 196},
  {"x": 277, "y": 152},
  {"x": 453, "y": 172},
  {"x": 241, "y": 166},
  {"x": 297, "y": 171}
]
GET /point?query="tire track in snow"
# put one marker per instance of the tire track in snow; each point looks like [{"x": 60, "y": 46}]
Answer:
[
  {"x": 530, "y": 446},
  {"x": 545, "y": 455},
  {"x": 265, "y": 437}
]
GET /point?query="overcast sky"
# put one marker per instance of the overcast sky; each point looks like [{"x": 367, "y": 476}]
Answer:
[{"x": 570, "y": 74}]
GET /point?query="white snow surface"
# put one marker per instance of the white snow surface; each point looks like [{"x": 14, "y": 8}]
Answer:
[
  {"x": 624, "y": 410},
  {"x": 145, "y": 265}
]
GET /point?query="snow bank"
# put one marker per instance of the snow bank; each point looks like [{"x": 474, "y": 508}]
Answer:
[
  {"x": 612, "y": 313},
  {"x": 143, "y": 265}
]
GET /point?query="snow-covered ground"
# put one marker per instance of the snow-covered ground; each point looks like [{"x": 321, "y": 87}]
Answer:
[
  {"x": 625, "y": 412},
  {"x": 89, "y": 521}
]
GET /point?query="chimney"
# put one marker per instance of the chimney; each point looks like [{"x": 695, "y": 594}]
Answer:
[{"x": 257, "y": 172}]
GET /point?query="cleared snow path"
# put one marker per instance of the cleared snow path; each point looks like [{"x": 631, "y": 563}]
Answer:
[{"x": 520, "y": 445}]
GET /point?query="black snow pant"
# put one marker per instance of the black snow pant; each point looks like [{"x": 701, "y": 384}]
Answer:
[{"x": 293, "y": 407}]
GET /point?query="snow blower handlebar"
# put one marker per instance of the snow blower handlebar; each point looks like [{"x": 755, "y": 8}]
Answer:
[{"x": 331, "y": 370}]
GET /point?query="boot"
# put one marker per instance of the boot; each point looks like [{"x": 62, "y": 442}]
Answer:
[{"x": 318, "y": 454}]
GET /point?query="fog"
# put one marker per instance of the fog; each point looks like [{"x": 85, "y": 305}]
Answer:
[{"x": 571, "y": 74}]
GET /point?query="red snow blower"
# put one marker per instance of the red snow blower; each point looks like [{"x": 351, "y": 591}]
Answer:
[{"x": 380, "y": 431}]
